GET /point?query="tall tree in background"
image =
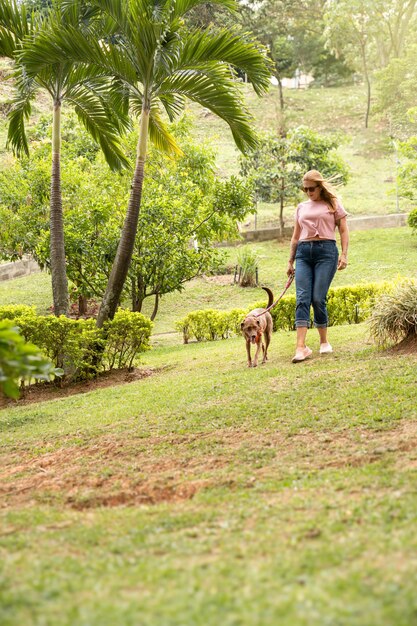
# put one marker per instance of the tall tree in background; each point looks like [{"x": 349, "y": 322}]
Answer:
[
  {"x": 351, "y": 31},
  {"x": 369, "y": 33},
  {"x": 63, "y": 80},
  {"x": 157, "y": 63},
  {"x": 293, "y": 32}
]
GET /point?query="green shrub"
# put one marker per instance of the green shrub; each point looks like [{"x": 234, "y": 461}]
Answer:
[
  {"x": 394, "y": 316},
  {"x": 127, "y": 334},
  {"x": 248, "y": 261},
  {"x": 78, "y": 346},
  {"x": 353, "y": 304},
  {"x": 412, "y": 220},
  {"x": 13, "y": 311},
  {"x": 209, "y": 325}
]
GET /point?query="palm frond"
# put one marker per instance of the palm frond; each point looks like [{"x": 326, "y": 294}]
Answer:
[
  {"x": 18, "y": 115},
  {"x": 58, "y": 46},
  {"x": 15, "y": 25},
  {"x": 173, "y": 104},
  {"x": 181, "y": 7},
  {"x": 160, "y": 135},
  {"x": 218, "y": 93},
  {"x": 99, "y": 123},
  {"x": 228, "y": 46}
]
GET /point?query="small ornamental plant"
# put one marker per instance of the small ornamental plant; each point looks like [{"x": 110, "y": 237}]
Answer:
[{"x": 394, "y": 316}]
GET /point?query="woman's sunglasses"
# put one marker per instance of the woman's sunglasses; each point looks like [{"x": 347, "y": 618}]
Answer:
[{"x": 307, "y": 189}]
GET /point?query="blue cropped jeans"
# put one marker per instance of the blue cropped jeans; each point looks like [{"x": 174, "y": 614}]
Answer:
[{"x": 315, "y": 267}]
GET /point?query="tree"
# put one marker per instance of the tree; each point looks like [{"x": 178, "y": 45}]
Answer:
[
  {"x": 292, "y": 31},
  {"x": 157, "y": 63},
  {"x": 350, "y": 31},
  {"x": 277, "y": 166},
  {"x": 64, "y": 80},
  {"x": 271, "y": 23},
  {"x": 396, "y": 93},
  {"x": 407, "y": 173},
  {"x": 369, "y": 33},
  {"x": 177, "y": 232}
]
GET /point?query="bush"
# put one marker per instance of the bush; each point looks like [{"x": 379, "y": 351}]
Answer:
[
  {"x": 412, "y": 220},
  {"x": 127, "y": 334},
  {"x": 394, "y": 316},
  {"x": 78, "y": 346},
  {"x": 248, "y": 261},
  {"x": 209, "y": 325},
  {"x": 14, "y": 311}
]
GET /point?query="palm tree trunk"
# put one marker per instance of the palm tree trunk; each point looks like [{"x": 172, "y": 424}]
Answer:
[
  {"x": 127, "y": 240},
  {"x": 58, "y": 265}
]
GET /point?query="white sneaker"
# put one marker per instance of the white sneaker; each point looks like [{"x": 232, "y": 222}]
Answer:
[
  {"x": 301, "y": 354},
  {"x": 325, "y": 348}
]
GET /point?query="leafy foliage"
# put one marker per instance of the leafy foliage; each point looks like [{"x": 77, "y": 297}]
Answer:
[
  {"x": 396, "y": 93},
  {"x": 185, "y": 208},
  {"x": 127, "y": 334},
  {"x": 210, "y": 325},
  {"x": 407, "y": 171},
  {"x": 412, "y": 220},
  {"x": 76, "y": 347},
  {"x": 20, "y": 361},
  {"x": 248, "y": 261}
]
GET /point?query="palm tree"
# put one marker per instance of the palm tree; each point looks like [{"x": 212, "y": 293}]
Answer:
[
  {"x": 156, "y": 63},
  {"x": 80, "y": 86}
]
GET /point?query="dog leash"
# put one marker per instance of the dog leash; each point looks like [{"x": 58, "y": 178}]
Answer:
[{"x": 287, "y": 286}]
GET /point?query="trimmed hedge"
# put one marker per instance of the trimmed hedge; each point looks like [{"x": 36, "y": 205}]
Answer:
[
  {"x": 345, "y": 305},
  {"x": 209, "y": 325},
  {"x": 78, "y": 346}
]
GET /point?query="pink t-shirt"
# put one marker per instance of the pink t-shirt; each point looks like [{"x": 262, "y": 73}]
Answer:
[{"x": 316, "y": 220}]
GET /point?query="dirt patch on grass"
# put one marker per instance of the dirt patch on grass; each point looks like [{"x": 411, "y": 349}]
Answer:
[
  {"x": 127, "y": 469},
  {"x": 42, "y": 392},
  {"x": 406, "y": 346},
  {"x": 222, "y": 279}
]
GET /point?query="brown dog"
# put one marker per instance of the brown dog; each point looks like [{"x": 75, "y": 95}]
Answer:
[{"x": 255, "y": 328}]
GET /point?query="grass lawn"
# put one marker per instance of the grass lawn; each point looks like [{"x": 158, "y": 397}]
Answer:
[{"x": 211, "y": 494}]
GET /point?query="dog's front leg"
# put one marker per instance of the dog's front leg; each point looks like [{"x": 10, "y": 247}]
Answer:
[
  {"x": 265, "y": 349},
  {"x": 248, "y": 353},
  {"x": 258, "y": 349}
]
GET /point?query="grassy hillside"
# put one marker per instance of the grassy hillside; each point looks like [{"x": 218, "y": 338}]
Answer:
[{"x": 209, "y": 493}]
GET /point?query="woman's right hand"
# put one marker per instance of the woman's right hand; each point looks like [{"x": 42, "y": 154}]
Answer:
[{"x": 290, "y": 268}]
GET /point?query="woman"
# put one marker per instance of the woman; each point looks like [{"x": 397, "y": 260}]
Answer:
[{"x": 313, "y": 247}]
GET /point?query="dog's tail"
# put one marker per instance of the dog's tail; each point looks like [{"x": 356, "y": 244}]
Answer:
[{"x": 270, "y": 296}]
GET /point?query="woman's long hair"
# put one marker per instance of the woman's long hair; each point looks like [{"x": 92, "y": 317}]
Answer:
[{"x": 328, "y": 192}]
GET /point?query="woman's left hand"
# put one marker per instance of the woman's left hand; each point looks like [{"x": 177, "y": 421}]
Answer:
[{"x": 342, "y": 264}]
